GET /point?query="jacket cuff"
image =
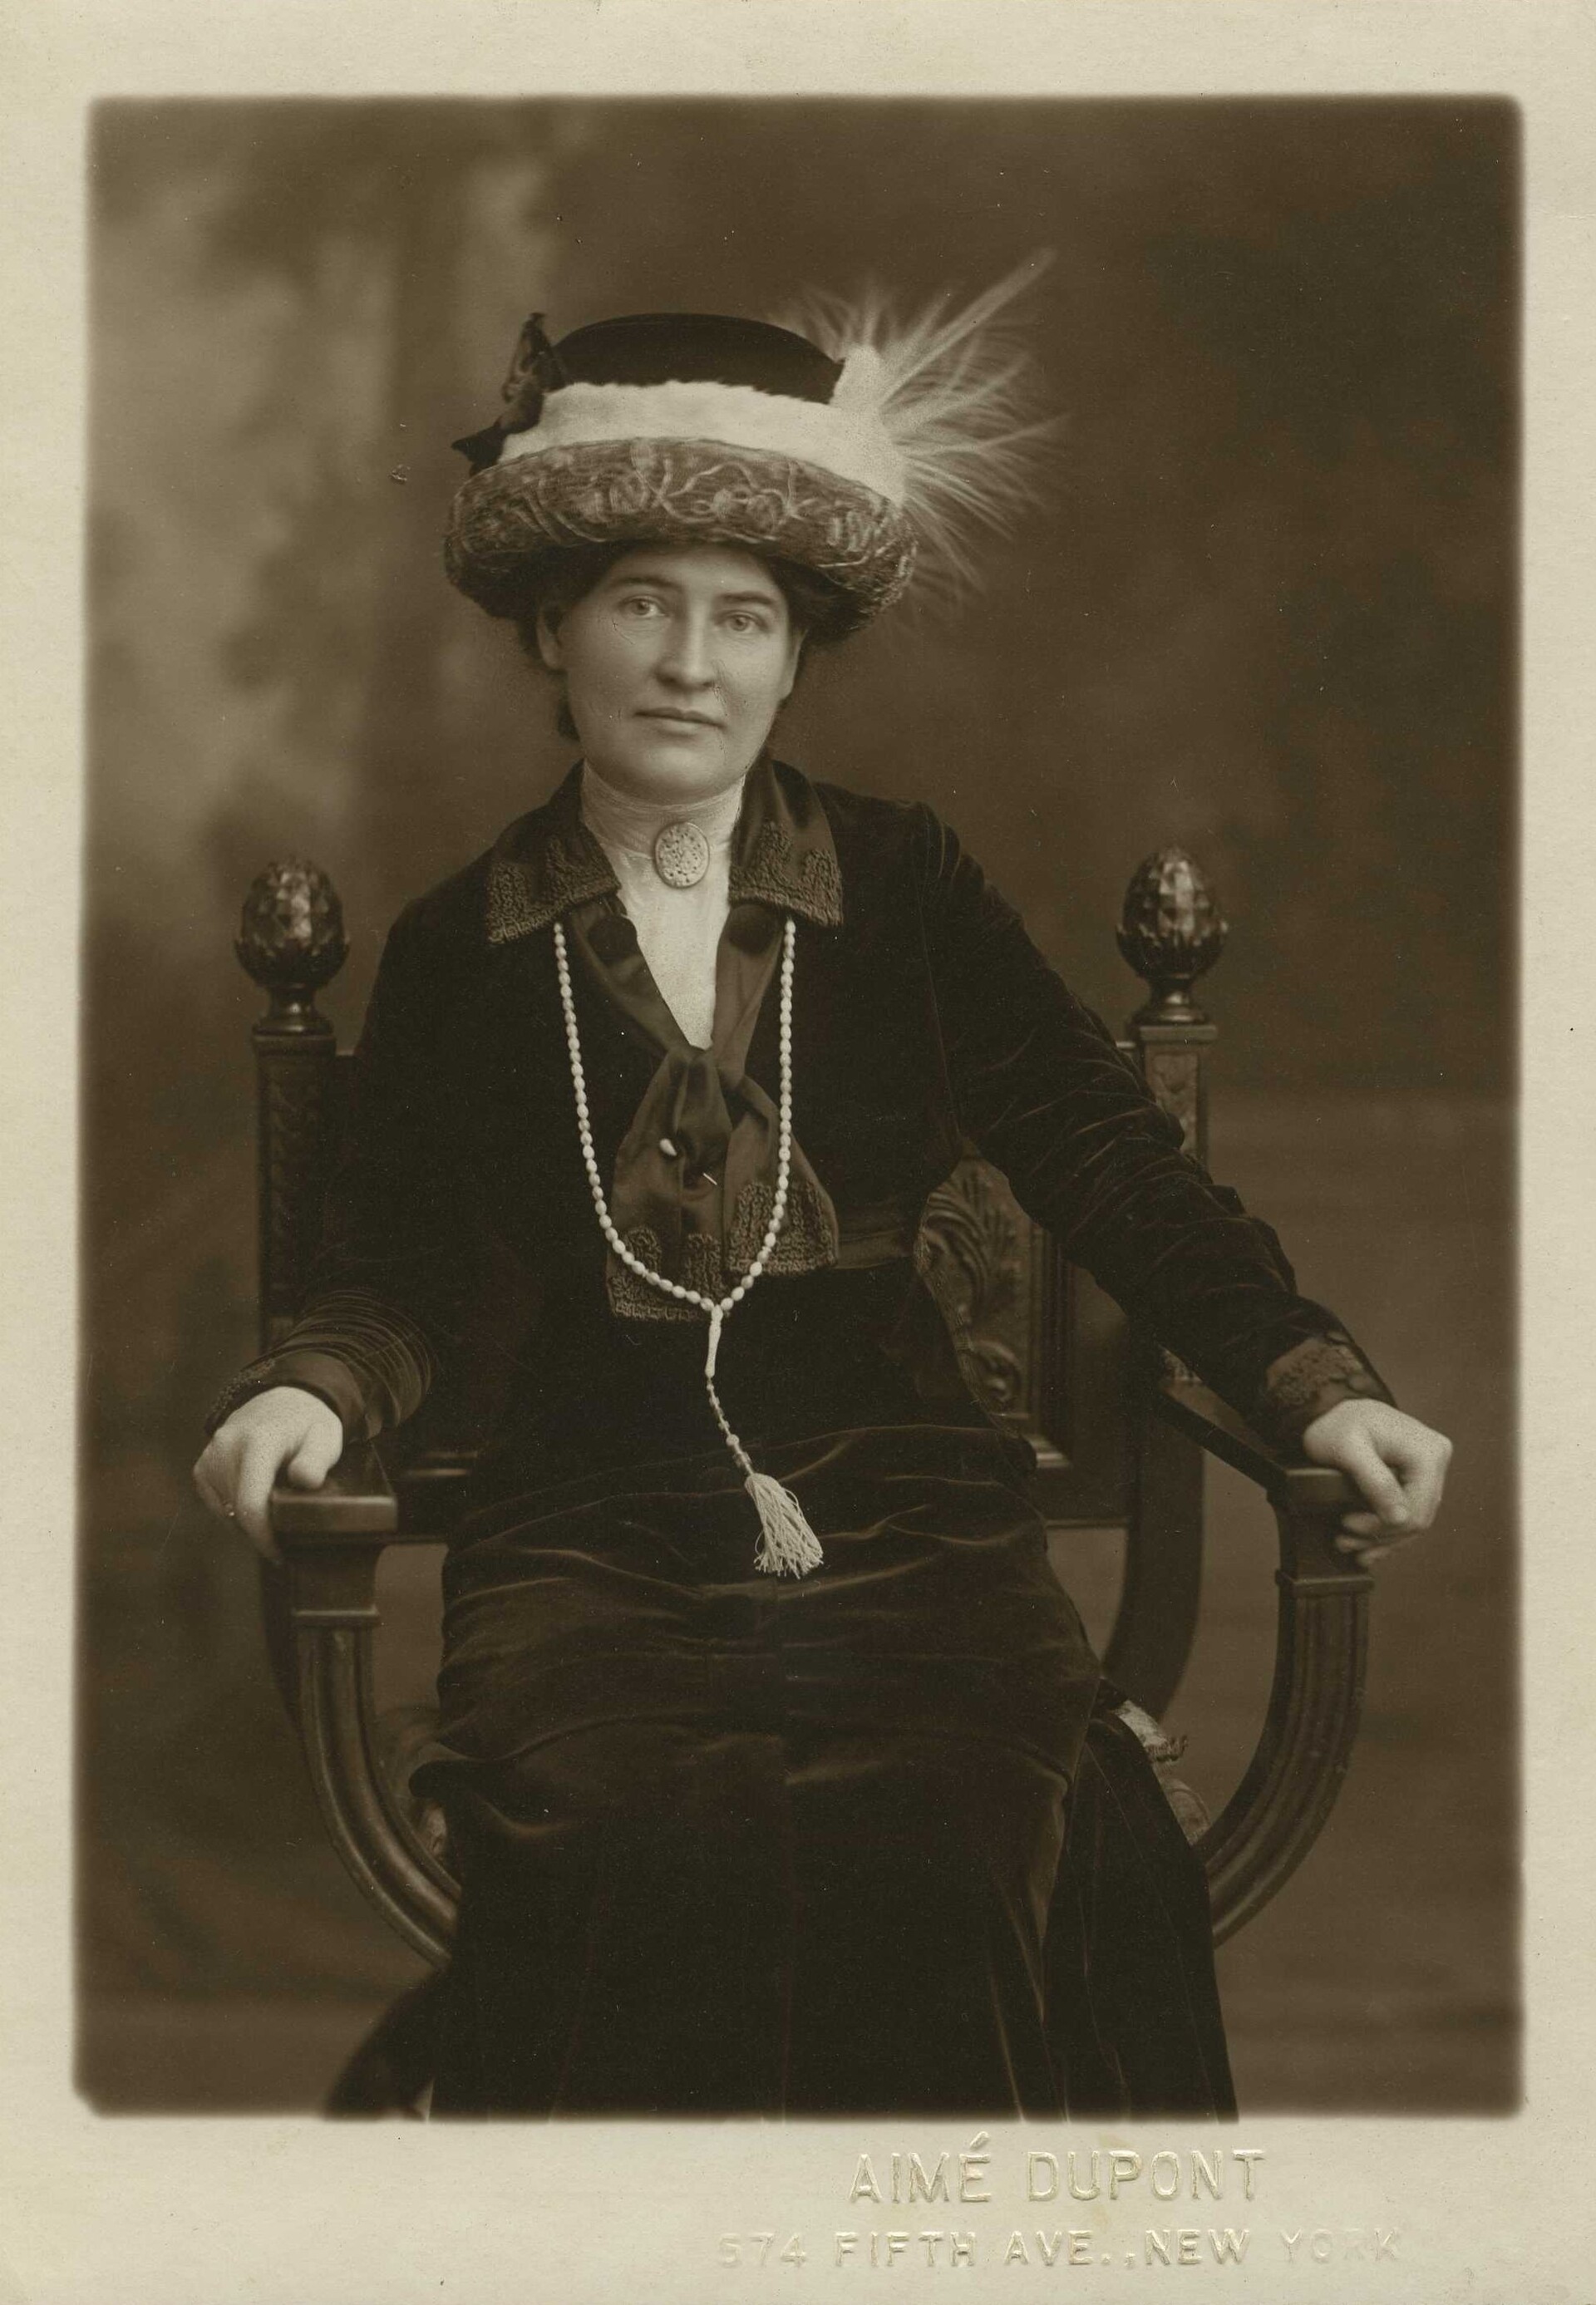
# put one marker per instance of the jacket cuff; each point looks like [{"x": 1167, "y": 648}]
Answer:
[
  {"x": 329, "y": 1379},
  {"x": 1312, "y": 1377}
]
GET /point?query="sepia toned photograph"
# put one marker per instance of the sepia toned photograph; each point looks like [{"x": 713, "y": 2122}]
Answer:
[{"x": 799, "y": 1109}]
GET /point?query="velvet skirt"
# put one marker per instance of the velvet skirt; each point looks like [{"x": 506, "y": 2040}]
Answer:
[{"x": 875, "y": 1841}]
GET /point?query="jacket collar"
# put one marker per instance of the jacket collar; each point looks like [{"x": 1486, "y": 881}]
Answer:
[{"x": 782, "y": 854}]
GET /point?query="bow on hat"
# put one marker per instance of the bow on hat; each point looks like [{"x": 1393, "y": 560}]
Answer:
[{"x": 533, "y": 372}]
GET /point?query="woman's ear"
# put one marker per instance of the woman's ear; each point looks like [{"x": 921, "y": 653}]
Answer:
[{"x": 548, "y": 642}]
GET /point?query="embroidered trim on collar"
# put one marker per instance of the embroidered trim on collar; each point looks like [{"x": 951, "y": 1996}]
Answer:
[
  {"x": 779, "y": 871},
  {"x": 782, "y": 854},
  {"x": 561, "y": 869}
]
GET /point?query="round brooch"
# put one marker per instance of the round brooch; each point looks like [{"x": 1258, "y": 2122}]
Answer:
[{"x": 681, "y": 855}]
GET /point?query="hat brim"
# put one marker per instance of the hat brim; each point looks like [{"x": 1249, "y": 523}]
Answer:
[{"x": 511, "y": 517}]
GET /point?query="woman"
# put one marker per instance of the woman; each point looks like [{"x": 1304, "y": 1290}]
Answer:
[{"x": 779, "y": 1772}]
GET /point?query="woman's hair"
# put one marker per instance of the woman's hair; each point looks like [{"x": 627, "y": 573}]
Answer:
[{"x": 821, "y": 613}]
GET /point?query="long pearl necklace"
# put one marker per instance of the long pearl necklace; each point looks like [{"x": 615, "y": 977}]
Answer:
[{"x": 788, "y": 1547}]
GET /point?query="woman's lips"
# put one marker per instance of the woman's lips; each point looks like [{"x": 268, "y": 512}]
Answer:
[{"x": 680, "y": 719}]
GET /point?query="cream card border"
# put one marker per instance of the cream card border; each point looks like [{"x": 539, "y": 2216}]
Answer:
[{"x": 96, "y": 2212}]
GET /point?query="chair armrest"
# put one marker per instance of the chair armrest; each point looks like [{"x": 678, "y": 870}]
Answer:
[
  {"x": 356, "y": 1500},
  {"x": 1282, "y": 1803},
  {"x": 1175, "y": 1417},
  {"x": 324, "y": 1603},
  {"x": 1203, "y": 1418}
]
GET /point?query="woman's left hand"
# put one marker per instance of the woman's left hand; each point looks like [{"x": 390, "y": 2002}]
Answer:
[{"x": 1399, "y": 1464}]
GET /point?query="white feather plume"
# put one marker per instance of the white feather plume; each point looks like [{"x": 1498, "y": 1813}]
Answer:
[{"x": 957, "y": 397}]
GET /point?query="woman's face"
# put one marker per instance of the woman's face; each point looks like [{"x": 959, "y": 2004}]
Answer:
[{"x": 676, "y": 664}]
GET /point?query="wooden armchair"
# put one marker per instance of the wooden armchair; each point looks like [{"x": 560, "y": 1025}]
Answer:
[{"x": 1118, "y": 1428}]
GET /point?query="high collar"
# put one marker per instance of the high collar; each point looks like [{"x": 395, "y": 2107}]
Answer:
[
  {"x": 619, "y": 820},
  {"x": 782, "y": 854}
]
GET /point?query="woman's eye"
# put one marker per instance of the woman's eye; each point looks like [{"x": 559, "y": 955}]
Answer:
[
  {"x": 639, "y": 605},
  {"x": 740, "y": 620}
]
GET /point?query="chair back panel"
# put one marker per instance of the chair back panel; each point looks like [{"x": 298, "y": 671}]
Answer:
[
  {"x": 1042, "y": 1347},
  {"x": 302, "y": 1092}
]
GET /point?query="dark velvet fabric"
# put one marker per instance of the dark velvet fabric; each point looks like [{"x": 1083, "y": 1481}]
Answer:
[
  {"x": 866, "y": 1842},
  {"x": 461, "y": 1240},
  {"x": 875, "y": 1839}
]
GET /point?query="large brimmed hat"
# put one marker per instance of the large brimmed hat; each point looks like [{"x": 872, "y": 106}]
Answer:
[{"x": 856, "y": 446}]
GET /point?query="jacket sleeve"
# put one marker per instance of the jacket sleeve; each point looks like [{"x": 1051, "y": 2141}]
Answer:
[
  {"x": 1043, "y": 1092},
  {"x": 382, "y": 1309}
]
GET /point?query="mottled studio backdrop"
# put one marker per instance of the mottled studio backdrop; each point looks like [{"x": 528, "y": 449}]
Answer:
[{"x": 1268, "y": 613}]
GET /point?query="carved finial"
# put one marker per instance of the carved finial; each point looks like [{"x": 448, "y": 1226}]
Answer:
[
  {"x": 292, "y": 939},
  {"x": 1171, "y": 931}
]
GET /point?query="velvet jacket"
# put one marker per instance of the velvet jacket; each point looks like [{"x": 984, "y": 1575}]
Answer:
[{"x": 462, "y": 1258}]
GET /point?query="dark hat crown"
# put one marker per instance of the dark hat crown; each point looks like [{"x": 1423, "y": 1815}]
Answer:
[{"x": 692, "y": 348}]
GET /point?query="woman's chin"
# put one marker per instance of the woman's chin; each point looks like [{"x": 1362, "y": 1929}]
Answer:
[{"x": 682, "y": 760}]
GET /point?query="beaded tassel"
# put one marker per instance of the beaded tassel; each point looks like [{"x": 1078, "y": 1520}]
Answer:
[{"x": 788, "y": 1547}]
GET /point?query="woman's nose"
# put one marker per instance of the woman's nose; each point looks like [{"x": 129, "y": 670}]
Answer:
[{"x": 687, "y": 658}]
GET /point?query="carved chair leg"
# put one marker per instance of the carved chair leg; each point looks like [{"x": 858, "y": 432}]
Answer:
[
  {"x": 276, "y": 1623},
  {"x": 334, "y": 1609},
  {"x": 1290, "y": 1787},
  {"x": 1156, "y": 1623}
]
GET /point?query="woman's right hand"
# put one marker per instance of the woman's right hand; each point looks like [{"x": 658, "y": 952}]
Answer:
[{"x": 285, "y": 1434}]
